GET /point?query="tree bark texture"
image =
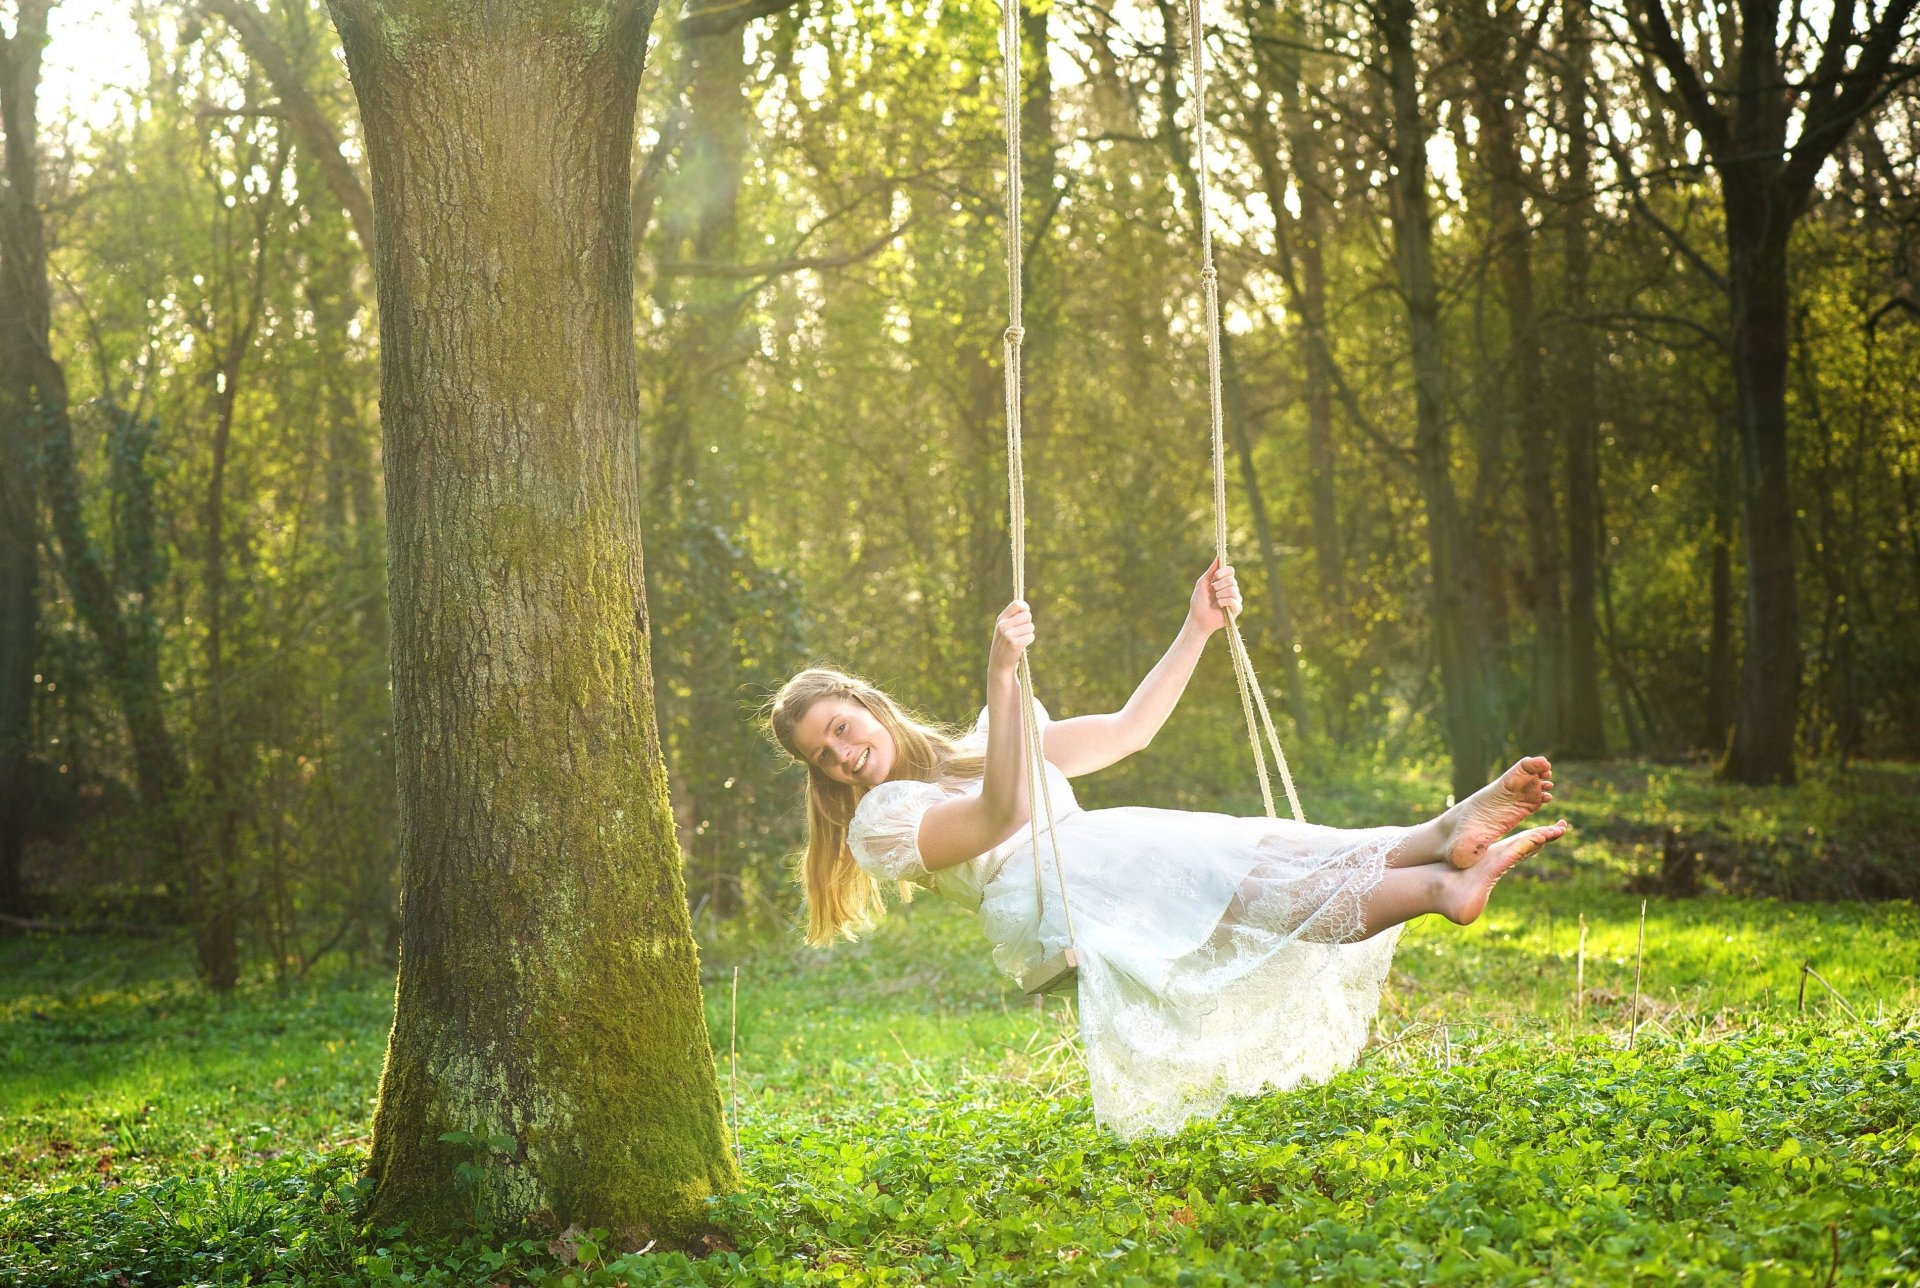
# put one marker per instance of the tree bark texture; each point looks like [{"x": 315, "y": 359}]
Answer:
[
  {"x": 1762, "y": 750},
  {"x": 1458, "y": 604},
  {"x": 23, "y": 337},
  {"x": 548, "y": 989}
]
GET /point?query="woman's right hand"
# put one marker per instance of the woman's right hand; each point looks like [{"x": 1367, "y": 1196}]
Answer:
[{"x": 1012, "y": 633}]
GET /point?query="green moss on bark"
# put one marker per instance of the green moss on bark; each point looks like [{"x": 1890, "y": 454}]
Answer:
[{"x": 549, "y": 984}]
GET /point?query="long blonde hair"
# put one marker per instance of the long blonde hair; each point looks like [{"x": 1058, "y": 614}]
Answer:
[{"x": 842, "y": 896}]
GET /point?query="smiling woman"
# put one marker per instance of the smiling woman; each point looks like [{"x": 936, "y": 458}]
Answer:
[
  {"x": 1217, "y": 955},
  {"x": 852, "y": 746},
  {"x": 851, "y": 737}
]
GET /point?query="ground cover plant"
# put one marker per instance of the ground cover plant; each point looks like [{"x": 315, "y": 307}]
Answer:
[{"x": 905, "y": 1117}]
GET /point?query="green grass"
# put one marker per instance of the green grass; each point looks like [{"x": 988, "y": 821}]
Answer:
[{"x": 906, "y": 1117}]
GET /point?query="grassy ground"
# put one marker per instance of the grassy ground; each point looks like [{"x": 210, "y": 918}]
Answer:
[{"x": 905, "y": 1117}]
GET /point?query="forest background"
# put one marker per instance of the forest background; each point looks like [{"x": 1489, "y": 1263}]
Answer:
[{"x": 1521, "y": 452}]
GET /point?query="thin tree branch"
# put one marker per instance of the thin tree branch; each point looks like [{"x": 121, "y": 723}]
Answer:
[
  {"x": 1706, "y": 333},
  {"x": 1630, "y": 182},
  {"x": 700, "y": 22},
  {"x": 1852, "y": 94},
  {"x": 1692, "y": 93},
  {"x": 310, "y": 123},
  {"x": 647, "y": 182},
  {"x": 780, "y": 268}
]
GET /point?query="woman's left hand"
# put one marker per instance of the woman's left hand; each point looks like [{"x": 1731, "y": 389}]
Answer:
[{"x": 1214, "y": 596}]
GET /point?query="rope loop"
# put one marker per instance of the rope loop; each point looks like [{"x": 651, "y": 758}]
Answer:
[
  {"x": 1210, "y": 275},
  {"x": 1015, "y": 334}
]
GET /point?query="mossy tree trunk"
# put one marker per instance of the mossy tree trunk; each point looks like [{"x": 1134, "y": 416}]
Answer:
[{"x": 548, "y": 990}]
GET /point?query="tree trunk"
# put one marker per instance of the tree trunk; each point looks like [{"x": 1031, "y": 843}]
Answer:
[
  {"x": 1765, "y": 186},
  {"x": 1278, "y": 601},
  {"x": 361, "y": 774},
  {"x": 548, "y": 998},
  {"x": 1586, "y": 735},
  {"x": 1233, "y": 389},
  {"x": 23, "y": 335},
  {"x": 1458, "y": 605},
  {"x": 701, "y": 222},
  {"x": 700, "y": 397},
  {"x": 1322, "y": 460},
  {"x": 1718, "y": 716},
  {"x": 128, "y": 639},
  {"x": 128, "y": 643},
  {"x": 218, "y": 941},
  {"x": 1762, "y": 750},
  {"x": 1279, "y": 71},
  {"x": 219, "y": 903},
  {"x": 1500, "y": 81},
  {"x": 1279, "y": 34}
]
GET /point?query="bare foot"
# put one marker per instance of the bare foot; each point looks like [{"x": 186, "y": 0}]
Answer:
[
  {"x": 1496, "y": 809},
  {"x": 1468, "y": 897}
]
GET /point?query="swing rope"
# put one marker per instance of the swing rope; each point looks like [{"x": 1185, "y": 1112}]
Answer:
[
  {"x": 1253, "y": 701},
  {"x": 1252, "y": 698},
  {"x": 1016, "y": 475}
]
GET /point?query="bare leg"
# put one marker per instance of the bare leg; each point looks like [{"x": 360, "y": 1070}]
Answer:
[
  {"x": 1458, "y": 894},
  {"x": 1425, "y": 843}
]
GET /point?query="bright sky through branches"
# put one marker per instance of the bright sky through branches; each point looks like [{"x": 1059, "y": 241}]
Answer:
[{"x": 94, "y": 66}]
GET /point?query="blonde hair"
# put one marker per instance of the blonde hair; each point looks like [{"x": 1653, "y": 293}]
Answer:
[{"x": 841, "y": 895}]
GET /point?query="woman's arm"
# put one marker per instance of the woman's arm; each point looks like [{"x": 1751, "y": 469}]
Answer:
[
  {"x": 967, "y": 826},
  {"x": 1086, "y": 743}
]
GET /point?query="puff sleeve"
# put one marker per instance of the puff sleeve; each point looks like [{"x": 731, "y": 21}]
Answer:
[
  {"x": 885, "y": 833},
  {"x": 1040, "y": 718}
]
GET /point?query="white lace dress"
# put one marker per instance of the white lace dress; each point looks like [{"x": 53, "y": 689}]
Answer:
[{"x": 1214, "y": 950}]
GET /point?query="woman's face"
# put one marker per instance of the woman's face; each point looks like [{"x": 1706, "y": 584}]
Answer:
[{"x": 841, "y": 739}]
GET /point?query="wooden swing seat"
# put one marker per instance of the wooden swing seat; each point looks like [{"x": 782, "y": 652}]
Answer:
[{"x": 1055, "y": 974}]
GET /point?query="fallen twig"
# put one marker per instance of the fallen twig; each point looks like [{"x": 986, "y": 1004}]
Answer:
[
  {"x": 1639, "y": 956},
  {"x": 1806, "y": 969}
]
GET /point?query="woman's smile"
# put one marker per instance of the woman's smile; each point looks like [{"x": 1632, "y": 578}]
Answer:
[{"x": 841, "y": 739}]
